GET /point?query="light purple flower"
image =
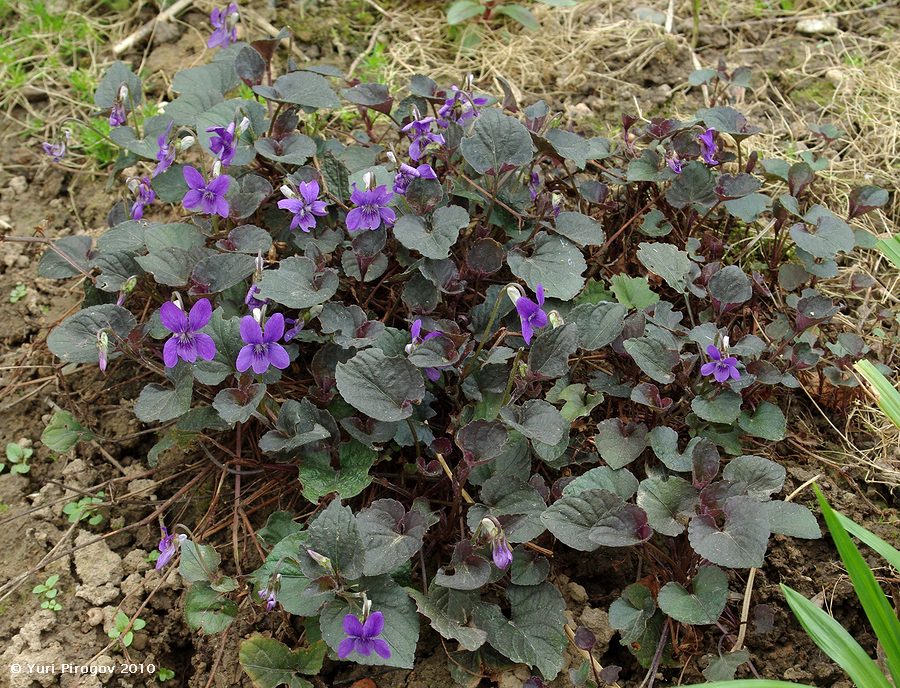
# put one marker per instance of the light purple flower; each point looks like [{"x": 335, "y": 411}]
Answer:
[
  {"x": 362, "y": 637},
  {"x": 225, "y": 24},
  {"x": 165, "y": 154},
  {"x": 117, "y": 115},
  {"x": 406, "y": 173},
  {"x": 251, "y": 300},
  {"x": 415, "y": 330},
  {"x": 675, "y": 163},
  {"x": 531, "y": 314},
  {"x": 305, "y": 207},
  {"x": 209, "y": 198},
  {"x": 57, "y": 151},
  {"x": 260, "y": 349},
  {"x": 501, "y": 552},
  {"x": 720, "y": 368},
  {"x": 187, "y": 341},
  {"x": 419, "y": 130},
  {"x": 168, "y": 545},
  {"x": 145, "y": 195},
  {"x": 294, "y": 328},
  {"x": 371, "y": 209},
  {"x": 269, "y": 597},
  {"x": 102, "y": 350},
  {"x": 222, "y": 143},
  {"x": 459, "y": 107},
  {"x": 708, "y": 146}
]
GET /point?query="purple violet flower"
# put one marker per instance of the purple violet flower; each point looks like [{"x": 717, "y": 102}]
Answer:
[
  {"x": 168, "y": 545},
  {"x": 304, "y": 207},
  {"x": 187, "y": 341},
  {"x": 222, "y": 143},
  {"x": 371, "y": 209},
  {"x": 675, "y": 163},
  {"x": 419, "y": 130},
  {"x": 269, "y": 597},
  {"x": 406, "y": 173},
  {"x": 415, "y": 330},
  {"x": 225, "y": 24},
  {"x": 708, "y": 147},
  {"x": 531, "y": 314},
  {"x": 534, "y": 184},
  {"x": 362, "y": 637},
  {"x": 250, "y": 299},
  {"x": 720, "y": 368},
  {"x": 117, "y": 115},
  {"x": 210, "y": 198},
  {"x": 460, "y": 107},
  {"x": 165, "y": 155},
  {"x": 501, "y": 552},
  {"x": 102, "y": 350},
  {"x": 57, "y": 151},
  {"x": 261, "y": 349},
  {"x": 145, "y": 195}
]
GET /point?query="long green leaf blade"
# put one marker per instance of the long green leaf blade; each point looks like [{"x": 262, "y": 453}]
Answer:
[
  {"x": 886, "y": 395},
  {"x": 878, "y": 610},
  {"x": 890, "y": 247},
  {"x": 754, "y": 683},
  {"x": 869, "y": 538},
  {"x": 835, "y": 642}
]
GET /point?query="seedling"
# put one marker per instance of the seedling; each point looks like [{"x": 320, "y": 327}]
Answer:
[{"x": 48, "y": 593}]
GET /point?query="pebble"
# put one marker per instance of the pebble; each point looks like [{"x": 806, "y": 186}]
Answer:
[
  {"x": 648, "y": 14},
  {"x": 577, "y": 593},
  {"x": 817, "y": 26}
]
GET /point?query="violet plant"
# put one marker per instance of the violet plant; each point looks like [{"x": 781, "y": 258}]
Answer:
[{"x": 361, "y": 319}]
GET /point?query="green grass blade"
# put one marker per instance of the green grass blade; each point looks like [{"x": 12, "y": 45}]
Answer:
[
  {"x": 891, "y": 249},
  {"x": 754, "y": 683},
  {"x": 869, "y": 538},
  {"x": 886, "y": 394},
  {"x": 835, "y": 642},
  {"x": 878, "y": 610}
]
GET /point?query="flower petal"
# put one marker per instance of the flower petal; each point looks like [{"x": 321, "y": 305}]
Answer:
[
  {"x": 193, "y": 178},
  {"x": 382, "y": 648},
  {"x": 192, "y": 200},
  {"x": 274, "y": 328},
  {"x": 354, "y": 219},
  {"x": 352, "y": 625},
  {"x": 251, "y": 332},
  {"x": 708, "y": 368},
  {"x": 539, "y": 292},
  {"x": 278, "y": 356},
  {"x": 206, "y": 347},
  {"x": 200, "y": 314},
  {"x": 374, "y": 625},
  {"x": 346, "y": 646},
  {"x": 244, "y": 358},
  {"x": 173, "y": 317},
  {"x": 170, "y": 355},
  {"x": 713, "y": 353},
  {"x": 722, "y": 373},
  {"x": 260, "y": 363}
]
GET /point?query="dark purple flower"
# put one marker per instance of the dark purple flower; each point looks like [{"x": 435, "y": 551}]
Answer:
[
  {"x": 117, "y": 115},
  {"x": 57, "y": 151},
  {"x": 708, "y": 147},
  {"x": 294, "y": 327},
  {"x": 210, "y": 198},
  {"x": 187, "y": 341},
  {"x": 168, "y": 545},
  {"x": 165, "y": 154},
  {"x": 371, "y": 209},
  {"x": 415, "y": 330},
  {"x": 145, "y": 195},
  {"x": 362, "y": 637},
  {"x": 459, "y": 107},
  {"x": 406, "y": 173},
  {"x": 501, "y": 552},
  {"x": 225, "y": 24},
  {"x": 260, "y": 349},
  {"x": 222, "y": 143},
  {"x": 720, "y": 368},
  {"x": 419, "y": 131},
  {"x": 675, "y": 163},
  {"x": 305, "y": 207},
  {"x": 531, "y": 314},
  {"x": 534, "y": 183}
]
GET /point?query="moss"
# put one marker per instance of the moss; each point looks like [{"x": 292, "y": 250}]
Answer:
[{"x": 818, "y": 92}]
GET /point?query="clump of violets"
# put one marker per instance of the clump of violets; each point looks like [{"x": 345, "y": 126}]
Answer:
[
  {"x": 304, "y": 204},
  {"x": 206, "y": 197},
  {"x": 261, "y": 348},
  {"x": 721, "y": 368},
  {"x": 461, "y": 105},
  {"x": 187, "y": 341},
  {"x": 371, "y": 207},
  {"x": 225, "y": 24},
  {"x": 708, "y": 146},
  {"x": 416, "y": 340},
  {"x": 406, "y": 173},
  {"x": 57, "y": 151},
  {"x": 531, "y": 313},
  {"x": 419, "y": 131},
  {"x": 168, "y": 545},
  {"x": 144, "y": 196},
  {"x": 362, "y": 636},
  {"x": 222, "y": 143}
]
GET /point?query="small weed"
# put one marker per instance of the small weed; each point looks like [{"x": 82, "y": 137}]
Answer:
[
  {"x": 48, "y": 593},
  {"x": 120, "y": 624},
  {"x": 17, "y": 293},
  {"x": 85, "y": 509},
  {"x": 164, "y": 674},
  {"x": 18, "y": 456}
]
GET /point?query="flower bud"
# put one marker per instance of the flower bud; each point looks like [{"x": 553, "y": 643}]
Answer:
[
  {"x": 725, "y": 343},
  {"x": 314, "y": 312},
  {"x": 102, "y": 350},
  {"x": 232, "y": 19},
  {"x": 185, "y": 143},
  {"x": 258, "y": 314},
  {"x": 320, "y": 559},
  {"x": 133, "y": 184},
  {"x": 122, "y": 95},
  {"x": 288, "y": 191},
  {"x": 555, "y": 319},
  {"x": 391, "y": 157},
  {"x": 176, "y": 299},
  {"x": 217, "y": 168},
  {"x": 514, "y": 292},
  {"x": 369, "y": 181},
  {"x": 259, "y": 264},
  {"x": 366, "y": 606},
  {"x": 244, "y": 125},
  {"x": 489, "y": 527}
]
